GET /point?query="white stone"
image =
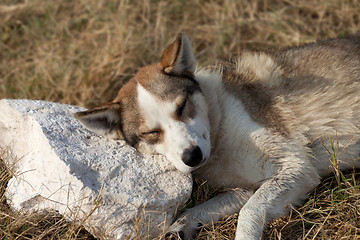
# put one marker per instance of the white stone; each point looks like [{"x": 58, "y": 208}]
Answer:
[{"x": 60, "y": 165}]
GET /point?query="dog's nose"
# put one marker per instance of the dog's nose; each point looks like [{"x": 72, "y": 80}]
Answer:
[{"x": 192, "y": 156}]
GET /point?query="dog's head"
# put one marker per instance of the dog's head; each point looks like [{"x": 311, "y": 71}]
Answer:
[{"x": 161, "y": 110}]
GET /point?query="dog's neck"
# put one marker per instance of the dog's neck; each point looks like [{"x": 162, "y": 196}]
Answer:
[
  {"x": 227, "y": 136},
  {"x": 211, "y": 86}
]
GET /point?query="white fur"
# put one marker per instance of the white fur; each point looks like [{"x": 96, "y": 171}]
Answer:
[
  {"x": 269, "y": 72},
  {"x": 178, "y": 135},
  {"x": 312, "y": 90},
  {"x": 242, "y": 158}
]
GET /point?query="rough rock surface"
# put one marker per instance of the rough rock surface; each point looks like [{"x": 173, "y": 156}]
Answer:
[{"x": 60, "y": 165}]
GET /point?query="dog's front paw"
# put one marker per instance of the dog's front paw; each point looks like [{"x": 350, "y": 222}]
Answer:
[{"x": 184, "y": 228}]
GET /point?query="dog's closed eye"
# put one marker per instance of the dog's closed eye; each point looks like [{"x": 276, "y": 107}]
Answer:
[
  {"x": 151, "y": 132},
  {"x": 151, "y": 136}
]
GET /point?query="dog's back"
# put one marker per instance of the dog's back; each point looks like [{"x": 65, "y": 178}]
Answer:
[{"x": 310, "y": 93}]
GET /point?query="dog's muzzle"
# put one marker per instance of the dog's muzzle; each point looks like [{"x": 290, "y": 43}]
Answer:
[{"x": 192, "y": 156}]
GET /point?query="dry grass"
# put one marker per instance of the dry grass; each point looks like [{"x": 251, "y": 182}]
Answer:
[
  {"x": 39, "y": 225},
  {"x": 331, "y": 212},
  {"x": 81, "y": 52}
]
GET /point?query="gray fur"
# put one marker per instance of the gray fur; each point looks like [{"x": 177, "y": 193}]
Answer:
[{"x": 263, "y": 120}]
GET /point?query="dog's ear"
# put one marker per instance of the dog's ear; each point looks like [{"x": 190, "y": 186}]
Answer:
[
  {"x": 104, "y": 120},
  {"x": 178, "y": 58}
]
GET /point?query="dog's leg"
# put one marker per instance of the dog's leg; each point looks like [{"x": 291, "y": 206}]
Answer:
[
  {"x": 290, "y": 176},
  {"x": 209, "y": 212}
]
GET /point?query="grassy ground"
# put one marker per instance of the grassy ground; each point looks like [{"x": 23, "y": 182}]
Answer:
[{"x": 81, "y": 52}]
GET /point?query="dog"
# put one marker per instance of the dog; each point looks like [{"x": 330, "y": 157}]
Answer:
[{"x": 260, "y": 124}]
